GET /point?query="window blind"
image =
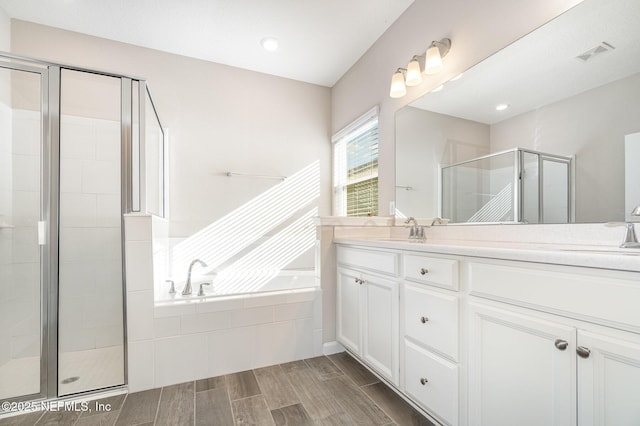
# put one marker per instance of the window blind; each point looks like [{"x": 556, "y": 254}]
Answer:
[{"x": 356, "y": 167}]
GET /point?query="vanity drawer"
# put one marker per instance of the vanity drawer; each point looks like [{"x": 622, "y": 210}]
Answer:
[
  {"x": 431, "y": 318},
  {"x": 582, "y": 293},
  {"x": 431, "y": 270},
  {"x": 377, "y": 261},
  {"x": 431, "y": 382}
]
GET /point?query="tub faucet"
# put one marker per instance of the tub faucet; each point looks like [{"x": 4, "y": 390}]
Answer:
[
  {"x": 630, "y": 240},
  {"x": 187, "y": 286}
]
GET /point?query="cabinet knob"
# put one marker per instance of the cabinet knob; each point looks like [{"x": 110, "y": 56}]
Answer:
[
  {"x": 357, "y": 281},
  {"x": 561, "y": 344},
  {"x": 424, "y": 319},
  {"x": 423, "y": 381},
  {"x": 583, "y": 352},
  {"x": 424, "y": 271}
]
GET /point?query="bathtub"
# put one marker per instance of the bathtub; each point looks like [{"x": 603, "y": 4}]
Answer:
[{"x": 239, "y": 283}]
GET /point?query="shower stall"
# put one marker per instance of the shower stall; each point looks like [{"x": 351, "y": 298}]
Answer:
[
  {"x": 517, "y": 185},
  {"x": 78, "y": 149}
]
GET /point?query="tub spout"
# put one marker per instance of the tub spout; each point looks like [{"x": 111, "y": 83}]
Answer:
[{"x": 187, "y": 286}]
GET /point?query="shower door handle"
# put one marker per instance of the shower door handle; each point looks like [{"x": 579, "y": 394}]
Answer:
[{"x": 42, "y": 232}]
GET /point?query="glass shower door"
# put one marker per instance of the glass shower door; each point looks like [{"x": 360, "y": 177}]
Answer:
[
  {"x": 22, "y": 364},
  {"x": 90, "y": 323}
]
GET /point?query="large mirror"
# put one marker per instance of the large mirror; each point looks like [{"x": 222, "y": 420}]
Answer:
[{"x": 545, "y": 131}]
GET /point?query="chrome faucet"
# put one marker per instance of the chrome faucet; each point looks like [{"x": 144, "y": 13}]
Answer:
[
  {"x": 416, "y": 232},
  {"x": 187, "y": 286},
  {"x": 437, "y": 221},
  {"x": 630, "y": 240}
]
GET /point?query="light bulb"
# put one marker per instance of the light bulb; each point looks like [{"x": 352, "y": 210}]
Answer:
[
  {"x": 398, "y": 89},
  {"x": 433, "y": 61},
  {"x": 414, "y": 75}
]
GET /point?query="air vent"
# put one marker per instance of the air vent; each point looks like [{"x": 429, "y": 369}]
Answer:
[{"x": 596, "y": 51}]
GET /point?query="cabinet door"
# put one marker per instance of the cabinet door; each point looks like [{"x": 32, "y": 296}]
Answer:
[
  {"x": 608, "y": 380},
  {"x": 380, "y": 326},
  {"x": 349, "y": 330},
  {"x": 518, "y": 374}
]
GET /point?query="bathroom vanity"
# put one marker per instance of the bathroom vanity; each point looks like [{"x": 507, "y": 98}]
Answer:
[{"x": 496, "y": 334}]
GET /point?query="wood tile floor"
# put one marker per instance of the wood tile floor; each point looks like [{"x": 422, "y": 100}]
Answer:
[{"x": 333, "y": 390}]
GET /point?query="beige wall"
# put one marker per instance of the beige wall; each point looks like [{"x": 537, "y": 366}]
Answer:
[
  {"x": 220, "y": 119},
  {"x": 5, "y": 31},
  {"x": 5, "y": 46},
  {"x": 477, "y": 29}
]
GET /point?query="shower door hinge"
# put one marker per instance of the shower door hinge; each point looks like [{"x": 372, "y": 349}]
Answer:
[{"x": 42, "y": 232}]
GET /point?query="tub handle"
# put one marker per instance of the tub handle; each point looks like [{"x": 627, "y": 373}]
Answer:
[
  {"x": 172, "y": 290},
  {"x": 201, "y": 291}
]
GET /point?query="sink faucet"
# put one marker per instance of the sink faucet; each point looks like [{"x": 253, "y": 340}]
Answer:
[
  {"x": 187, "y": 286},
  {"x": 416, "y": 232},
  {"x": 437, "y": 221},
  {"x": 630, "y": 240}
]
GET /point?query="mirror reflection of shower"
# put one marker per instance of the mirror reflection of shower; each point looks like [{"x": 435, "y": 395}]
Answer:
[{"x": 511, "y": 186}]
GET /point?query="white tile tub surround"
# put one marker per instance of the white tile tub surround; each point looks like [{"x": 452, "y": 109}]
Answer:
[{"x": 186, "y": 340}]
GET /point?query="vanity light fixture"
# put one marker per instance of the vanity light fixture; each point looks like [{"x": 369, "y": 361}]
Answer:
[
  {"x": 398, "y": 89},
  {"x": 435, "y": 52},
  {"x": 269, "y": 44},
  {"x": 412, "y": 75}
]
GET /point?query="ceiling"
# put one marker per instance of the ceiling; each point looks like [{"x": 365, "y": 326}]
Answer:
[
  {"x": 318, "y": 40},
  {"x": 542, "y": 67}
]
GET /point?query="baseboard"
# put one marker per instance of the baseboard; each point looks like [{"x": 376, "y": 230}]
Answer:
[{"x": 330, "y": 348}]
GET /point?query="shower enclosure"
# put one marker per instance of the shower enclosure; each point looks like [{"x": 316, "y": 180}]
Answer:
[
  {"x": 517, "y": 185},
  {"x": 73, "y": 146}
]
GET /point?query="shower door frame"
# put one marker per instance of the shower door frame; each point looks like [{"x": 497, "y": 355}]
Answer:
[
  {"x": 45, "y": 211},
  {"x": 50, "y": 77}
]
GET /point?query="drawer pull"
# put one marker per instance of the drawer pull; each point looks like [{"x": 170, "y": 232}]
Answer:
[
  {"x": 423, "y": 381},
  {"x": 561, "y": 344},
  {"x": 359, "y": 281},
  {"x": 424, "y": 320},
  {"x": 583, "y": 352},
  {"x": 424, "y": 271}
]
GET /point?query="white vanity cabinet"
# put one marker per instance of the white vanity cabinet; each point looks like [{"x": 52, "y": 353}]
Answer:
[
  {"x": 552, "y": 350},
  {"x": 492, "y": 341},
  {"x": 367, "y": 308}
]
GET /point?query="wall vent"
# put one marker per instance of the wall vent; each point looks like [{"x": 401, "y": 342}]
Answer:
[{"x": 596, "y": 51}]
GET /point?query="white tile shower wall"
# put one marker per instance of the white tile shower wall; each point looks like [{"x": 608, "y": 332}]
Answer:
[
  {"x": 90, "y": 247},
  {"x": 187, "y": 341}
]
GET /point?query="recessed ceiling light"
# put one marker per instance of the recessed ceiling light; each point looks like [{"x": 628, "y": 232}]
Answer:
[
  {"x": 439, "y": 88},
  {"x": 269, "y": 43},
  {"x": 502, "y": 107}
]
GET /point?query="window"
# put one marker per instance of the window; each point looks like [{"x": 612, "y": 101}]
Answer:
[{"x": 355, "y": 167}]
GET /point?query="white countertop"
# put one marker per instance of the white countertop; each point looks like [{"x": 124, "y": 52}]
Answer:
[{"x": 593, "y": 256}]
